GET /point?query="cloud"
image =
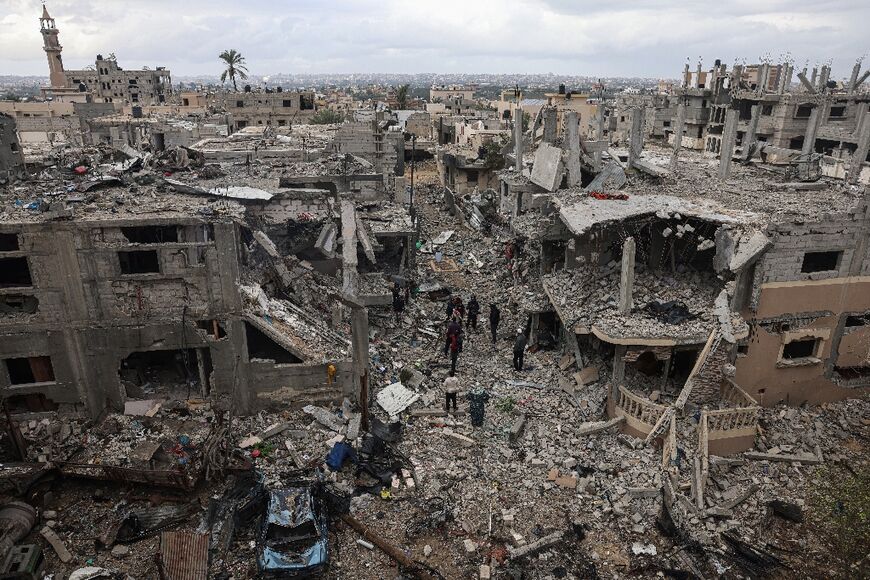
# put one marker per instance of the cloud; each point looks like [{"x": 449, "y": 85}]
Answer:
[{"x": 629, "y": 38}]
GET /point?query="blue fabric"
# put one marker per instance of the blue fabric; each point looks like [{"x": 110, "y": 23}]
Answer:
[{"x": 340, "y": 453}]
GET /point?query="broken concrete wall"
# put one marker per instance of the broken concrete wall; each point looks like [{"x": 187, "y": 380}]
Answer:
[
  {"x": 810, "y": 287},
  {"x": 384, "y": 149},
  {"x": 11, "y": 155}
]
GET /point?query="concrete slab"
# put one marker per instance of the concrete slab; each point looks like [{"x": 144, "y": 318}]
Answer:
[{"x": 547, "y": 170}]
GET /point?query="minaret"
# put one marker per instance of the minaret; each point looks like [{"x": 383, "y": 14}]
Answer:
[{"x": 52, "y": 48}]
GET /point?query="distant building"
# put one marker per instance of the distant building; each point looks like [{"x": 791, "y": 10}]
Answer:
[
  {"x": 106, "y": 82},
  {"x": 280, "y": 108},
  {"x": 445, "y": 92}
]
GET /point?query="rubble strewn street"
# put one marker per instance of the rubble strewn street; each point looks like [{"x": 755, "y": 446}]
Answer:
[{"x": 269, "y": 332}]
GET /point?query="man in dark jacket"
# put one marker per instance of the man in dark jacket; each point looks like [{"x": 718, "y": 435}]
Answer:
[
  {"x": 473, "y": 311},
  {"x": 494, "y": 318},
  {"x": 453, "y": 329},
  {"x": 519, "y": 349}
]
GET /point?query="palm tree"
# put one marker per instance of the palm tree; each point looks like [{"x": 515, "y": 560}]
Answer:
[
  {"x": 235, "y": 66},
  {"x": 402, "y": 96}
]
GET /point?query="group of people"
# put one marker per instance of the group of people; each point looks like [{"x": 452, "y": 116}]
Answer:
[{"x": 458, "y": 314}]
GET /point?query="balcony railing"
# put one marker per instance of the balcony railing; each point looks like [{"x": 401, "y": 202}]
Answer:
[{"x": 640, "y": 412}]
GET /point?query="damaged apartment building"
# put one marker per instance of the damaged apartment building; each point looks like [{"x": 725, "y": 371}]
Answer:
[
  {"x": 767, "y": 110},
  {"x": 678, "y": 291},
  {"x": 119, "y": 284}
]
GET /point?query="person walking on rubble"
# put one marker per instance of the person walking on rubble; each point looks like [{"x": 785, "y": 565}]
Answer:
[
  {"x": 455, "y": 349},
  {"x": 477, "y": 399},
  {"x": 494, "y": 319},
  {"x": 458, "y": 309},
  {"x": 450, "y": 308},
  {"x": 519, "y": 349},
  {"x": 451, "y": 389},
  {"x": 398, "y": 306},
  {"x": 473, "y": 311},
  {"x": 453, "y": 329}
]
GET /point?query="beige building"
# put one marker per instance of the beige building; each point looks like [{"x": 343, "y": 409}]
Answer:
[
  {"x": 106, "y": 82},
  {"x": 444, "y": 92}
]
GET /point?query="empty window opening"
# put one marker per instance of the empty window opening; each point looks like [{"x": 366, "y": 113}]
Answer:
[
  {"x": 147, "y": 373},
  {"x": 803, "y": 111},
  {"x": 214, "y": 328},
  {"x": 306, "y": 102},
  {"x": 30, "y": 370},
  {"x": 857, "y": 320},
  {"x": 288, "y": 102},
  {"x": 14, "y": 272},
  {"x": 648, "y": 364},
  {"x": 858, "y": 374},
  {"x": 18, "y": 304},
  {"x": 262, "y": 347},
  {"x": 820, "y": 261},
  {"x": 767, "y": 110},
  {"x": 151, "y": 234},
  {"x": 142, "y": 262},
  {"x": 9, "y": 243},
  {"x": 801, "y": 348},
  {"x": 240, "y": 104},
  {"x": 682, "y": 363},
  {"x": 30, "y": 403},
  {"x": 743, "y": 349},
  {"x": 837, "y": 112}
]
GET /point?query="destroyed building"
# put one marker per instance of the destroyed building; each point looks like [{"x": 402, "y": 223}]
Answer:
[
  {"x": 107, "y": 82},
  {"x": 770, "y": 115},
  {"x": 279, "y": 107},
  {"x": 11, "y": 154}
]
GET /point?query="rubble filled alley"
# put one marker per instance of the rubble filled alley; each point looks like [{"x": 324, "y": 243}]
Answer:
[{"x": 571, "y": 337}]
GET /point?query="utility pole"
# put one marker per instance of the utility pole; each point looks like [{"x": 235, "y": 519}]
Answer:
[{"x": 413, "y": 164}]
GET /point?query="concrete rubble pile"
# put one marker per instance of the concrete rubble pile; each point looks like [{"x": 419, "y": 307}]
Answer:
[{"x": 196, "y": 338}]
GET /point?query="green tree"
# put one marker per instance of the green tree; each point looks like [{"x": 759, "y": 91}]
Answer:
[
  {"x": 235, "y": 66},
  {"x": 402, "y": 96},
  {"x": 327, "y": 117}
]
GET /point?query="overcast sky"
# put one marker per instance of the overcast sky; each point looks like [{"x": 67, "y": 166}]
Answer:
[{"x": 651, "y": 38}]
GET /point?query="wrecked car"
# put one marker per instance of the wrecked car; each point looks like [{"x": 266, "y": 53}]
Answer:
[{"x": 292, "y": 536}]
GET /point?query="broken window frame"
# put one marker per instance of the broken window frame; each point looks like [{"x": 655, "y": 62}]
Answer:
[
  {"x": 824, "y": 258},
  {"x": 813, "y": 356},
  {"x": 44, "y": 369},
  {"x": 138, "y": 271}
]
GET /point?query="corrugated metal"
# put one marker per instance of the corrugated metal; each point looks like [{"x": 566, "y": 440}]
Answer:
[{"x": 184, "y": 555}]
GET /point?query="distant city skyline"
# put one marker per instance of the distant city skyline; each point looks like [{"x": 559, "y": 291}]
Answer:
[{"x": 633, "y": 38}]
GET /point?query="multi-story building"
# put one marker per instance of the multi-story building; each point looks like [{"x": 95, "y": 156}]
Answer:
[
  {"x": 106, "y": 82},
  {"x": 278, "y": 107}
]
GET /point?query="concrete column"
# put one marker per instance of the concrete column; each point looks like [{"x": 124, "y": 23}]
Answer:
[
  {"x": 860, "y": 154},
  {"x": 763, "y": 73},
  {"x": 518, "y": 138},
  {"x": 823, "y": 78},
  {"x": 812, "y": 128},
  {"x": 856, "y": 70},
  {"x": 678, "y": 135},
  {"x": 599, "y": 135},
  {"x": 549, "y": 114},
  {"x": 533, "y": 328},
  {"x": 618, "y": 371},
  {"x": 749, "y": 138},
  {"x": 572, "y": 136},
  {"x": 635, "y": 147},
  {"x": 698, "y": 77},
  {"x": 350, "y": 277},
  {"x": 360, "y": 390},
  {"x": 815, "y": 77},
  {"x": 626, "y": 278},
  {"x": 729, "y": 138},
  {"x": 686, "y": 77}
]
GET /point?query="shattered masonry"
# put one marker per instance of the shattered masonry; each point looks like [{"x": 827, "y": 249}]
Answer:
[{"x": 222, "y": 329}]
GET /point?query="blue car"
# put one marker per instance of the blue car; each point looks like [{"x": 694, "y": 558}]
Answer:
[{"x": 292, "y": 540}]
